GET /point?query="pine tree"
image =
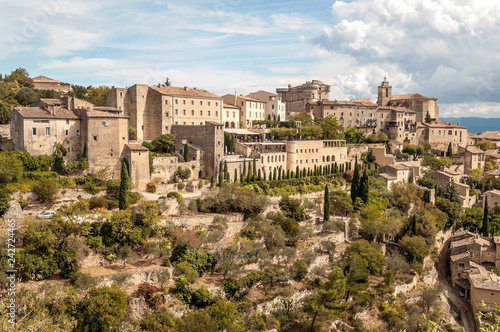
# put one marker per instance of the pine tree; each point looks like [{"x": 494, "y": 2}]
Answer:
[
  {"x": 326, "y": 208},
  {"x": 364, "y": 188},
  {"x": 486, "y": 223},
  {"x": 449, "y": 153},
  {"x": 355, "y": 182},
  {"x": 279, "y": 118},
  {"x": 186, "y": 152},
  {"x": 124, "y": 185}
]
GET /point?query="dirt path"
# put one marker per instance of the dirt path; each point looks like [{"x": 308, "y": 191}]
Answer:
[{"x": 466, "y": 314}]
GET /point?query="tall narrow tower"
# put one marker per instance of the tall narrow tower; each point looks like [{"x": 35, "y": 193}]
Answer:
[{"x": 384, "y": 93}]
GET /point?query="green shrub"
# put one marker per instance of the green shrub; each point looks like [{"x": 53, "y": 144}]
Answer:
[
  {"x": 121, "y": 279},
  {"x": 133, "y": 197},
  {"x": 82, "y": 281},
  {"x": 299, "y": 270},
  {"x": 181, "y": 186},
  {"x": 185, "y": 269},
  {"x": 151, "y": 187},
  {"x": 46, "y": 189},
  {"x": 160, "y": 320},
  {"x": 201, "y": 298},
  {"x": 91, "y": 188},
  {"x": 97, "y": 202},
  {"x": 176, "y": 195},
  {"x": 94, "y": 242}
]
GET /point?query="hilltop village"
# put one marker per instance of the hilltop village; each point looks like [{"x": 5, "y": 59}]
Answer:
[{"x": 165, "y": 208}]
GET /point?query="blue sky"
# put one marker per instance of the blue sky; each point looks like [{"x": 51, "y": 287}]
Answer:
[{"x": 441, "y": 48}]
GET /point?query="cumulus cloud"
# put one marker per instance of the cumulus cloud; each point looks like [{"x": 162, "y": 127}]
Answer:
[{"x": 446, "y": 47}]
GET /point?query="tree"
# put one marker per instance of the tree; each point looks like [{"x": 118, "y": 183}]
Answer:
[
  {"x": 47, "y": 190},
  {"x": 164, "y": 143},
  {"x": 451, "y": 192},
  {"x": 449, "y": 152},
  {"x": 326, "y": 208},
  {"x": 4, "y": 114},
  {"x": 485, "y": 229},
  {"x": 124, "y": 254},
  {"x": 364, "y": 189},
  {"x": 186, "y": 152},
  {"x": 416, "y": 247},
  {"x": 212, "y": 181},
  {"x": 355, "y": 182},
  {"x": 102, "y": 309},
  {"x": 163, "y": 275},
  {"x": 11, "y": 168},
  {"x": 341, "y": 202},
  {"x": 183, "y": 173},
  {"x": 428, "y": 118},
  {"x": 168, "y": 82},
  {"x": 486, "y": 145},
  {"x": 363, "y": 259},
  {"x": 124, "y": 186}
]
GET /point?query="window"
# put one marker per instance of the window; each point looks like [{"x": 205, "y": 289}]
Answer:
[
  {"x": 241, "y": 103},
  {"x": 217, "y": 113},
  {"x": 192, "y": 112},
  {"x": 34, "y": 131},
  {"x": 47, "y": 131},
  {"x": 208, "y": 113},
  {"x": 184, "y": 112},
  {"x": 166, "y": 127},
  {"x": 176, "y": 101},
  {"x": 450, "y": 132},
  {"x": 176, "y": 122},
  {"x": 192, "y": 102},
  {"x": 95, "y": 138},
  {"x": 234, "y": 114},
  {"x": 105, "y": 124},
  {"x": 77, "y": 132},
  {"x": 341, "y": 113},
  {"x": 166, "y": 101},
  {"x": 142, "y": 127},
  {"x": 381, "y": 115},
  {"x": 192, "y": 123},
  {"x": 69, "y": 149},
  {"x": 272, "y": 106},
  {"x": 208, "y": 103},
  {"x": 201, "y": 113},
  {"x": 201, "y": 103},
  {"x": 67, "y": 121},
  {"x": 216, "y": 104},
  {"x": 184, "y": 123},
  {"x": 67, "y": 132},
  {"x": 176, "y": 112},
  {"x": 184, "y": 102},
  {"x": 166, "y": 114}
]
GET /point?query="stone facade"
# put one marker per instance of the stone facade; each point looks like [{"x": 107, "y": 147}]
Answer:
[
  {"x": 440, "y": 134},
  {"x": 444, "y": 176},
  {"x": 251, "y": 109},
  {"x": 297, "y": 97},
  {"x": 46, "y": 83},
  {"x": 275, "y": 107},
  {"x": 231, "y": 116},
  {"x": 138, "y": 163},
  {"x": 153, "y": 110},
  {"x": 309, "y": 153},
  {"x": 400, "y": 173},
  {"x": 470, "y": 157},
  {"x": 493, "y": 198},
  {"x": 381, "y": 157},
  {"x": 490, "y": 135},
  {"x": 209, "y": 138}
]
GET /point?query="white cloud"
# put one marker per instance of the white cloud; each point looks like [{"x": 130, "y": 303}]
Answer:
[
  {"x": 65, "y": 41},
  {"x": 470, "y": 109}
]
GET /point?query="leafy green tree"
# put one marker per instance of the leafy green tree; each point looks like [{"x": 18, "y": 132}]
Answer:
[
  {"x": 428, "y": 118},
  {"x": 363, "y": 259},
  {"x": 11, "y": 168},
  {"x": 355, "y": 184},
  {"x": 472, "y": 219},
  {"x": 163, "y": 276},
  {"x": 97, "y": 95},
  {"x": 331, "y": 129},
  {"x": 486, "y": 145},
  {"x": 164, "y": 143},
  {"x": 26, "y": 96},
  {"x": 416, "y": 247},
  {"x": 452, "y": 209},
  {"x": 102, "y": 309},
  {"x": 47, "y": 190},
  {"x": 4, "y": 113},
  {"x": 485, "y": 229},
  {"x": 326, "y": 207},
  {"x": 183, "y": 173},
  {"x": 341, "y": 202},
  {"x": 160, "y": 320},
  {"x": 124, "y": 186},
  {"x": 186, "y": 152}
]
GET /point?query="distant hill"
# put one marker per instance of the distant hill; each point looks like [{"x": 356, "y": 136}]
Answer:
[{"x": 476, "y": 125}]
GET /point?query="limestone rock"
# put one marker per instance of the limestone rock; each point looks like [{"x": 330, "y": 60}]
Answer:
[{"x": 14, "y": 211}]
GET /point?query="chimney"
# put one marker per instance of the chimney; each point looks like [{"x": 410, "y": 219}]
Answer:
[
  {"x": 52, "y": 111},
  {"x": 235, "y": 97},
  {"x": 186, "y": 88}
]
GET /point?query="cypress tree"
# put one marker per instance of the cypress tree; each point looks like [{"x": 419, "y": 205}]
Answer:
[
  {"x": 186, "y": 152},
  {"x": 235, "y": 175},
  {"x": 124, "y": 185},
  {"x": 211, "y": 181},
  {"x": 326, "y": 208},
  {"x": 269, "y": 117},
  {"x": 292, "y": 175},
  {"x": 297, "y": 172},
  {"x": 264, "y": 175},
  {"x": 428, "y": 118},
  {"x": 486, "y": 223},
  {"x": 274, "y": 173},
  {"x": 364, "y": 189},
  {"x": 248, "y": 174},
  {"x": 449, "y": 153},
  {"x": 242, "y": 178},
  {"x": 315, "y": 172},
  {"x": 254, "y": 170},
  {"x": 283, "y": 174},
  {"x": 259, "y": 178},
  {"x": 244, "y": 167},
  {"x": 221, "y": 179},
  {"x": 279, "y": 174},
  {"x": 288, "y": 174},
  {"x": 279, "y": 118},
  {"x": 355, "y": 182}
]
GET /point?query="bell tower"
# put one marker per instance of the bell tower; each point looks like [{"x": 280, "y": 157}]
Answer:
[{"x": 384, "y": 93}]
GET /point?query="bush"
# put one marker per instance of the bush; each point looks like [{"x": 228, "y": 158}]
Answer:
[
  {"x": 185, "y": 269},
  {"x": 83, "y": 281},
  {"x": 181, "y": 186},
  {"x": 46, "y": 189},
  {"x": 97, "y": 202},
  {"x": 175, "y": 195},
  {"x": 159, "y": 320},
  {"x": 121, "y": 279},
  {"x": 151, "y": 187},
  {"x": 94, "y": 242},
  {"x": 201, "y": 298},
  {"x": 91, "y": 188},
  {"x": 299, "y": 270},
  {"x": 133, "y": 197},
  {"x": 147, "y": 291}
]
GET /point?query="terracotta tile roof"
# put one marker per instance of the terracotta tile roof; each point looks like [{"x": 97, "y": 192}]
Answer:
[
  {"x": 355, "y": 102},
  {"x": 40, "y": 113},
  {"x": 107, "y": 108},
  {"x": 387, "y": 176},
  {"x": 397, "y": 109},
  {"x": 457, "y": 257},
  {"x": 136, "y": 147},
  {"x": 411, "y": 96},
  {"x": 491, "y": 152},
  {"x": 474, "y": 149},
  {"x": 250, "y": 99},
  {"x": 493, "y": 191},
  {"x": 228, "y": 105},
  {"x": 441, "y": 124},
  {"x": 489, "y": 135},
  {"x": 44, "y": 79},
  {"x": 188, "y": 92},
  {"x": 51, "y": 101}
]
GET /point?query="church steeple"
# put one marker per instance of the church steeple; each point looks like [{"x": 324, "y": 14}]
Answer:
[{"x": 384, "y": 93}]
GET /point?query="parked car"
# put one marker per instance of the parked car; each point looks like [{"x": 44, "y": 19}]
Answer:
[{"x": 45, "y": 214}]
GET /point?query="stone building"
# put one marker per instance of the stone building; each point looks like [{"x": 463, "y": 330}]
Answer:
[
  {"x": 490, "y": 135},
  {"x": 471, "y": 258},
  {"x": 275, "y": 107},
  {"x": 309, "y": 153},
  {"x": 209, "y": 140},
  {"x": 138, "y": 163},
  {"x": 231, "y": 115},
  {"x": 444, "y": 177},
  {"x": 418, "y": 103},
  {"x": 153, "y": 110},
  {"x": 493, "y": 198},
  {"x": 398, "y": 173},
  {"x": 46, "y": 83},
  {"x": 471, "y": 157},
  {"x": 297, "y": 97},
  {"x": 251, "y": 109},
  {"x": 440, "y": 134}
]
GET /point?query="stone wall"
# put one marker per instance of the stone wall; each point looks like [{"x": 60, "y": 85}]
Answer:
[
  {"x": 165, "y": 167},
  {"x": 5, "y": 131},
  {"x": 381, "y": 157}
]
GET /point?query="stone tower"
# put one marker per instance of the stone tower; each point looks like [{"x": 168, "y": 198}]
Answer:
[{"x": 384, "y": 93}]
